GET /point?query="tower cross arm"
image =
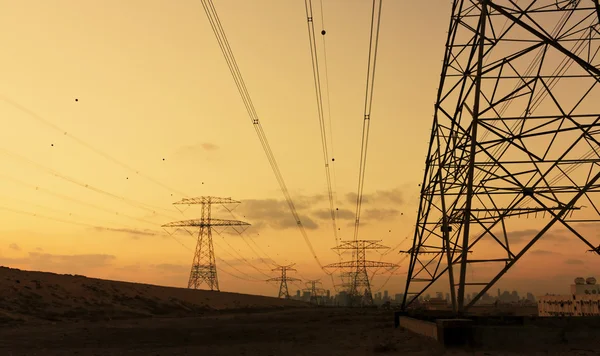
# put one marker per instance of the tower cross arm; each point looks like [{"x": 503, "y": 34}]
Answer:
[
  {"x": 206, "y": 223},
  {"x": 206, "y": 200},
  {"x": 279, "y": 279},
  {"x": 360, "y": 244},
  {"x": 369, "y": 264}
]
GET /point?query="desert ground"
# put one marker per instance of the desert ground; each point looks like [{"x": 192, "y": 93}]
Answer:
[{"x": 49, "y": 314}]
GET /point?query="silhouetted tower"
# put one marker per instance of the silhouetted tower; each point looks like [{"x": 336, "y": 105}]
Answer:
[
  {"x": 516, "y": 134},
  {"x": 359, "y": 286},
  {"x": 313, "y": 287},
  {"x": 283, "y": 287},
  {"x": 204, "y": 268}
]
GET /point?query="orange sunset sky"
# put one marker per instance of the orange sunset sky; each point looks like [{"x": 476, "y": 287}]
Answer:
[{"x": 154, "y": 94}]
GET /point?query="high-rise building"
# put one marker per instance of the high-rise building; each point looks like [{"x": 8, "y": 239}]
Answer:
[{"x": 398, "y": 298}]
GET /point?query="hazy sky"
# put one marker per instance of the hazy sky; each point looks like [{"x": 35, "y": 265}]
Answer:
[{"x": 154, "y": 94}]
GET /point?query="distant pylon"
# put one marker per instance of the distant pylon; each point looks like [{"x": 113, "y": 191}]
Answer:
[
  {"x": 315, "y": 292},
  {"x": 283, "y": 287},
  {"x": 359, "y": 286},
  {"x": 204, "y": 267}
]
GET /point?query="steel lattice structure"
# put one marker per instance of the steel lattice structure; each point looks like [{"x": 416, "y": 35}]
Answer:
[
  {"x": 358, "y": 266},
  {"x": 515, "y": 135},
  {"x": 204, "y": 267},
  {"x": 314, "y": 290},
  {"x": 283, "y": 287}
]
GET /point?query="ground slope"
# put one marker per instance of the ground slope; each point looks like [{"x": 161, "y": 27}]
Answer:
[{"x": 29, "y": 296}]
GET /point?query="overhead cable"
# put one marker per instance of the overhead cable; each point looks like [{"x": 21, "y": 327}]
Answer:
[
  {"x": 373, "y": 43},
  {"x": 221, "y": 37}
]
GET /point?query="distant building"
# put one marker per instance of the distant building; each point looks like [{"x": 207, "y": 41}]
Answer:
[
  {"x": 398, "y": 298},
  {"x": 436, "y": 304},
  {"x": 584, "y": 300}
]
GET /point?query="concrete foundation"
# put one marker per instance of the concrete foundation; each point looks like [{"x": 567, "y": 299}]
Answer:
[
  {"x": 455, "y": 332},
  {"x": 503, "y": 333},
  {"x": 422, "y": 327}
]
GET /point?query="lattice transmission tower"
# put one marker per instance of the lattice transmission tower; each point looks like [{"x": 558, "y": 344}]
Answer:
[
  {"x": 284, "y": 278},
  {"x": 315, "y": 290},
  {"x": 204, "y": 267},
  {"x": 515, "y": 135},
  {"x": 358, "y": 284}
]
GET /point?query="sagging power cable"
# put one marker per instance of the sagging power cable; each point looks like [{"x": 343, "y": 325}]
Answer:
[
  {"x": 373, "y": 43},
  {"x": 223, "y": 43}
]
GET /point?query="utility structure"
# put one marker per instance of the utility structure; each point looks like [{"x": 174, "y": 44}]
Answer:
[
  {"x": 204, "y": 268},
  {"x": 515, "y": 135},
  {"x": 283, "y": 278},
  {"x": 313, "y": 287},
  {"x": 359, "y": 286}
]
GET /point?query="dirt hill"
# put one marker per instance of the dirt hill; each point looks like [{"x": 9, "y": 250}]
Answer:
[{"x": 29, "y": 296}]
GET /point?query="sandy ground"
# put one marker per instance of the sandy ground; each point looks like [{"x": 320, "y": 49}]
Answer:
[
  {"x": 311, "y": 331},
  {"x": 49, "y": 314},
  {"x": 30, "y": 296}
]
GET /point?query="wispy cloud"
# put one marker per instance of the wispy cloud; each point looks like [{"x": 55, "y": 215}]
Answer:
[
  {"x": 573, "y": 261},
  {"x": 273, "y": 213},
  {"x": 340, "y": 214},
  {"x": 173, "y": 268},
  {"x": 194, "y": 151},
  {"x": 380, "y": 214},
  {"x": 543, "y": 252},
  {"x": 64, "y": 263},
  {"x": 528, "y": 234},
  {"x": 135, "y": 233},
  {"x": 15, "y": 247},
  {"x": 392, "y": 196}
]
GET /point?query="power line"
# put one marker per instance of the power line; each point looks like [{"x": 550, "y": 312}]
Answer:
[
  {"x": 65, "y": 197},
  {"x": 85, "y": 144},
  {"x": 270, "y": 266},
  {"x": 70, "y": 214},
  {"x": 329, "y": 118},
  {"x": 373, "y": 43},
  {"x": 222, "y": 261},
  {"x": 241, "y": 258},
  {"x": 320, "y": 111},
  {"x": 50, "y": 171},
  {"x": 221, "y": 37}
]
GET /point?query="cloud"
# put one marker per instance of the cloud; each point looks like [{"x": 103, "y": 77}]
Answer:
[
  {"x": 573, "y": 261},
  {"x": 380, "y": 214},
  {"x": 15, "y": 247},
  {"x": 63, "y": 263},
  {"x": 543, "y": 252},
  {"x": 136, "y": 233},
  {"x": 173, "y": 268},
  {"x": 209, "y": 146},
  {"x": 273, "y": 213},
  {"x": 340, "y": 214},
  {"x": 528, "y": 234},
  {"x": 196, "y": 150},
  {"x": 392, "y": 196}
]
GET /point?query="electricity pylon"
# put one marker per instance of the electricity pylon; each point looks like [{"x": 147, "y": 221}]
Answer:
[
  {"x": 359, "y": 277},
  {"x": 283, "y": 287},
  {"x": 515, "y": 134},
  {"x": 314, "y": 290},
  {"x": 204, "y": 268}
]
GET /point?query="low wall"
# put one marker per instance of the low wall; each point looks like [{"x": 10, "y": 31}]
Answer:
[
  {"x": 492, "y": 334},
  {"x": 422, "y": 327}
]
